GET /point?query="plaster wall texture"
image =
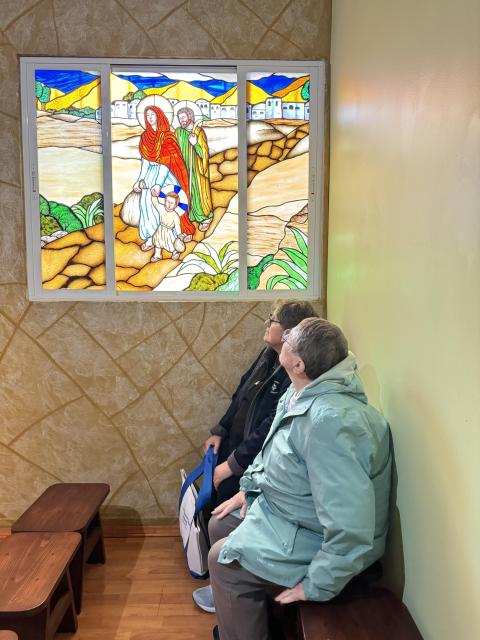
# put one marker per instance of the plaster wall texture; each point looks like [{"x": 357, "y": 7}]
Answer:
[
  {"x": 404, "y": 276},
  {"x": 121, "y": 392}
]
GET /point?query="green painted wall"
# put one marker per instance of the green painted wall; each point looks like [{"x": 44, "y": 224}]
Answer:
[{"x": 404, "y": 276}]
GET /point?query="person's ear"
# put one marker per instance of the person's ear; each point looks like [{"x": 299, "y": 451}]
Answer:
[{"x": 299, "y": 367}]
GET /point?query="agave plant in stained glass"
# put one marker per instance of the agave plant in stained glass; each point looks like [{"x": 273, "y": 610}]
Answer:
[{"x": 278, "y": 109}]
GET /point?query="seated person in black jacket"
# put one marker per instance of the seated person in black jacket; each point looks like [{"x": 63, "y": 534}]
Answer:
[{"x": 240, "y": 434}]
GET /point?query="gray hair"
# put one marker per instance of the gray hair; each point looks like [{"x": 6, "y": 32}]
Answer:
[
  {"x": 320, "y": 344},
  {"x": 188, "y": 111}
]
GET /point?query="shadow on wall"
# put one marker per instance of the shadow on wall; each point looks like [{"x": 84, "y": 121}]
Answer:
[
  {"x": 393, "y": 560},
  {"x": 372, "y": 387},
  {"x": 120, "y": 514},
  {"x": 117, "y": 516}
]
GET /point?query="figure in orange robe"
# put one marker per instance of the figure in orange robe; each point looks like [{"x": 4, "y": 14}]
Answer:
[{"x": 162, "y": 165}]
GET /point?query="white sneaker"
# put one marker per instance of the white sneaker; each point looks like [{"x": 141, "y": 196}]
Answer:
[{"x": 203, "y": 598}]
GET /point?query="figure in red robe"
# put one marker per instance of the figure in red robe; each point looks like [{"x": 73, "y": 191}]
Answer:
[{"x": 162, "y": 164}]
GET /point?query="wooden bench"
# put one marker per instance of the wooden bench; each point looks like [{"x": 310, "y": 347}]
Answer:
[
  {"x": 36, "y": 596},
  {"x": 378, "y": 615},
  {"x": 70, "y": 507},
  {"x": 375, "y": 614}
]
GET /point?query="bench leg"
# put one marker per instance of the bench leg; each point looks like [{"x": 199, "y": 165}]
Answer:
[
  {"x": 31, "y": 628},
  {"x": 69, "y": 620},
  {"x": 76, "y": 576},
  {"x": 98, "y": 553},
  {"x": 97, "y": 556},
  {"x": 61, "y": 609}
]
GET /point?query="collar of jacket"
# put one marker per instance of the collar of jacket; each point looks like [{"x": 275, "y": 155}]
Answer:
[
  {"x": 270, "y": 356},
  {"x": 278, "y": 375},
  {"x": 342, "y": 378}
]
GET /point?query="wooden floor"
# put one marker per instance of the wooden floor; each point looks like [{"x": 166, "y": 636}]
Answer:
[{"x": 143, "y": 593}]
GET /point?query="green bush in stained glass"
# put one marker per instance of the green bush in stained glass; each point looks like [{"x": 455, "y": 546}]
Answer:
[
  {"x": 305, "y": 93},
  {"x": 61, "y": 213},
  {"x": 48, "y": 225},
  {"x": 65, "y": 217},
  {"x": 42, "y": 93}
]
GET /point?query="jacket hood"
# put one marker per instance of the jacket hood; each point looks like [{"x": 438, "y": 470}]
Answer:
[{"x": 342, "y": 378}]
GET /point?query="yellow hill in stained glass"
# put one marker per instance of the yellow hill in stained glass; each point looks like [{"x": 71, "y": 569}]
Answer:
[
  {"x": 120, "y": 87},
  {"x": 297, "y": 84},
  {"x": 54, "y": 93},
  {"x": 228, "y": 99},
  {"x": 294, "y": 96},
  {"x": 93, "y": 99},
  {"x": 184, "y": 91},
  {"x": 157, "y": 91},
  {"x": 76, "y": 96},
  {"x": 256, "y": 95}
]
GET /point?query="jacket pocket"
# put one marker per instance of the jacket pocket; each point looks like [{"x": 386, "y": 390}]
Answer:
[{"x": 285, "y": 532}]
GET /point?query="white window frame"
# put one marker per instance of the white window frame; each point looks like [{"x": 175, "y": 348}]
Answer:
[{"x": 316, "y": 70}]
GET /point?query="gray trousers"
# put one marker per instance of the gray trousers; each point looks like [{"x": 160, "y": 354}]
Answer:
[{"x": 240, "y": 597}]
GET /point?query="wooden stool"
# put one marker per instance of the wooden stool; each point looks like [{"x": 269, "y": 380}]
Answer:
[
  {"x": 375, "y": 616},
  {"x": 71, "y": 507},
  {"x": 36, "y": 597}
]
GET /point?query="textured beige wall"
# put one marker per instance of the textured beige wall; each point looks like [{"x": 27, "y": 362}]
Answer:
[
  {"x": 404, "y": 275},
  {"x": 122, "y": 393}
]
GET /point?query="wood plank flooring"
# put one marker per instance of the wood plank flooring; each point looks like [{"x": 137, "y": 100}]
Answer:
[{"x": 143, "y": 592}]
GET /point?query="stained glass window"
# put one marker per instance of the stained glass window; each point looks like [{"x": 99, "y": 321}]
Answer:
[
  {"x": 175, "y": 180},
  {"x": 278, "y": 107},
  {"x": 172, "y": 180},
  {"x": 70, "y": 179}
]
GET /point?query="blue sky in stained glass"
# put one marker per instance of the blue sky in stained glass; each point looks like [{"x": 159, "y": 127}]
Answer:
[
  {"x": 68, "y": 80},
  {"x": 65, "y": 80},
  {"x": 214, "y": 86},
  {"x": 273, "y": 82}
]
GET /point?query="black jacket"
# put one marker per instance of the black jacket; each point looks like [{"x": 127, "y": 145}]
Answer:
[{"x": 247, "y": 420}]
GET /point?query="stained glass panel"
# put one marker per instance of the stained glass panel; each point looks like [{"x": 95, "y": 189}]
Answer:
[
  {"x": 175, "y": 180},
  {"x": 70, "y": 175},
  {"x": 278, "y": 108}
]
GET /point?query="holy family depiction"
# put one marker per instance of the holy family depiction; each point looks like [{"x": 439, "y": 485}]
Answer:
[{"x": 172, "y": 193}]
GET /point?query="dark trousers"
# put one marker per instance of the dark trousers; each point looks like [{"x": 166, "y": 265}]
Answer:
[{"x": 241, "y": 598}]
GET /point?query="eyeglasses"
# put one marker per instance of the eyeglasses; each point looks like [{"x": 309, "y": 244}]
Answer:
[{"x": 271, "y": 320}]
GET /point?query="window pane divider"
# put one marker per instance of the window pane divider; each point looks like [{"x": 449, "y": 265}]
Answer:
[
  {"x": 30, "y": 175},
  {"x": 242, "y": 179},
  {"x": 315, "y": 242},
  {"x": 107, "y": 183}
]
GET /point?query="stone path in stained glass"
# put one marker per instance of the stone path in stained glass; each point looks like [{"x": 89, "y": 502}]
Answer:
[{"x": 275, "y": 158}]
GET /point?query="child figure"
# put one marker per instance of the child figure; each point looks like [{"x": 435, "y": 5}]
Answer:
[{"x": 168, "y": 235}]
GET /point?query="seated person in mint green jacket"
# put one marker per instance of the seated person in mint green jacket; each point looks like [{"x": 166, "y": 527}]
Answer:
[
  {"x": 314, "y": 503},
  {"x": 240, "y": 433}
]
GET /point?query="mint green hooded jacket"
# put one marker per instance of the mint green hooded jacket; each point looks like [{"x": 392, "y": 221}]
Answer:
[{"x": 318, "y": 492}]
